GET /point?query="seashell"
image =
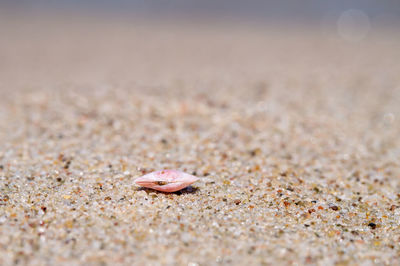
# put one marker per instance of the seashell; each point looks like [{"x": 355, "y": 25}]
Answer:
[{"x": 166, "y": 180}]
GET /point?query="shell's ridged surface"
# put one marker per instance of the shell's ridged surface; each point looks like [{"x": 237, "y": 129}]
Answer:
[{"x": 166, "y": 180}]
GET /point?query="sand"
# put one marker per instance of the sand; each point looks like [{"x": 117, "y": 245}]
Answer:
[{"x": 293, "y": 132}]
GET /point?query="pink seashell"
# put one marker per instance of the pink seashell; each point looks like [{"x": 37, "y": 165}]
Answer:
[{"x": 166, "y": 180}]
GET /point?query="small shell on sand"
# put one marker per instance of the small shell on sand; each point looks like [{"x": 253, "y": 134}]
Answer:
[{"x": 166, "y": 180}]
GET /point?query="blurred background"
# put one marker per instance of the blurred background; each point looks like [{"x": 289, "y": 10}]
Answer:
[
  {"x": 286, "y": 11},
  {"x": 153, "y": 41}
]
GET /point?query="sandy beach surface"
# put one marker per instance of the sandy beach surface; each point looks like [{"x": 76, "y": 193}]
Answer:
[{"x": 294, "y": 134}]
